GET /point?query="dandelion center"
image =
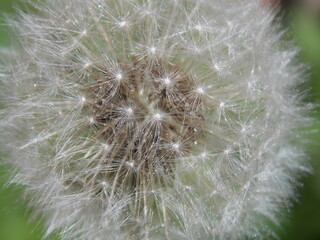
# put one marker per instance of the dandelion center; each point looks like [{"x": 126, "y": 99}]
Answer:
[{"x": 147, "y": 123}]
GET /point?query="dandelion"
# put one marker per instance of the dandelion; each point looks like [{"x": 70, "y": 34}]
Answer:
[{"x": 152, "y": 119}]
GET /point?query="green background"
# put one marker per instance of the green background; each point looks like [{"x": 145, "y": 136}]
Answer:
[{"x": 303, "y": 222}]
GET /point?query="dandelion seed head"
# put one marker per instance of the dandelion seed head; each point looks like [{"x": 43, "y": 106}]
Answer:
[{"x": 153, "y": 119}]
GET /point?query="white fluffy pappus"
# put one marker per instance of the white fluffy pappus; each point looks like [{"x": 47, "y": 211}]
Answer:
[{"x": 146, "y": 119}]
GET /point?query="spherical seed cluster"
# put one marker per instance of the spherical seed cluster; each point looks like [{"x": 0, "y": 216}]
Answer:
[{"x": 147, "y": 119}]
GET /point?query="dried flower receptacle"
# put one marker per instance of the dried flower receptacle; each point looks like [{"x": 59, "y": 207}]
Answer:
[{"x": 147, "y": 115}]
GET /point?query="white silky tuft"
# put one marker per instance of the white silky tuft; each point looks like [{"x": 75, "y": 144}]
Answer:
[{"x": 146, "y": 119}]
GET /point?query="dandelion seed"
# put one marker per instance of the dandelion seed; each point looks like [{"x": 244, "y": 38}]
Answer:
[
  {"x": 176, "y": 146},
  {"x": 167, "y": 81},
  {"x": 198, "y": 27},
  {"x": 157, "y": 116},
  {"x": 91, "y": 120},
  {"x": 122, "y": 23},
  {"x": 227, "y": 151},
  {"x": 153, "y": 50},
  {"x": 131, "y": 164},
  {"x": 84, "y": 33},
  {"x": 86, "y": 65},
  {"x": 119, "y": 76},
  {"x": 129, "y": 111},
  {"x": 103, "y": 183},
  {"x": 106, "y": 147},
  {"x": 200, "y": 90},
  {"x": 204, "y": 154}
]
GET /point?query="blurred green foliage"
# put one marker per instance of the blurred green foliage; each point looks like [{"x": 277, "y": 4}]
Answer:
[
  {"x": 304, "y": 220},
  {"x": 5, "y": 7}
]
